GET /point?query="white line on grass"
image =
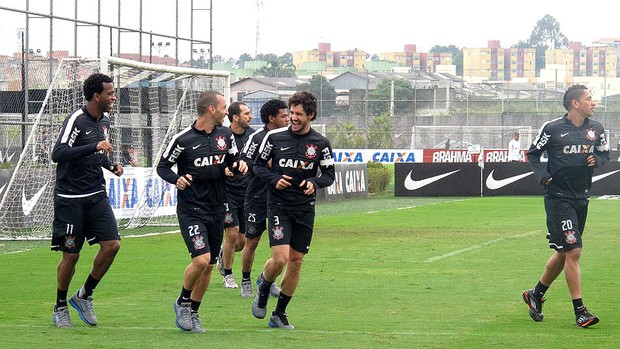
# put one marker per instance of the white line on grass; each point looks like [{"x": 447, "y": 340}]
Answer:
[
  {"x": 152, "y": 234},
  {"x": 414, "y": 206},
  {"x": 475, "y": 247},
  {"x": 246, "y": 330}
]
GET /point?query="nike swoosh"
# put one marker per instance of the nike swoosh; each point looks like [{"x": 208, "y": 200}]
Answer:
[
  {"x": 594, "y": 178},
  {"x": 88, "y": 132},
  {"x": 411, "y": 184},
  {"x": 494, "y": 184},
  {"x": 8, "y": 158},
  {"x": 196, "y": 146},
  {"x": 283, "y": 149},
  {"x": 28, "y": 204},
  {"x": 563, "y": 134}
]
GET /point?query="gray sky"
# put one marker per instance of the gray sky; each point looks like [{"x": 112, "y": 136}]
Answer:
[{"x": 287, "y": 26}]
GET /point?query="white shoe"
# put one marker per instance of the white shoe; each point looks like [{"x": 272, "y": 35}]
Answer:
[{"x": 229, "y": 281}]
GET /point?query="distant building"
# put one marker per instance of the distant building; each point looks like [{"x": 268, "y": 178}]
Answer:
[
  {"x": 494, "y": 63},
  {"x": 579, "y": 60},
  {"x": 333, "y": 59},
  {"x": 417, "y": 61}
]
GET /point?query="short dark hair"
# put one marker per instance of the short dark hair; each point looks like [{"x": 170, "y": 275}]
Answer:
[
  {"x": 206, "y": 99},
  {"x": 573, "y": 93},
  {"x": 271, "y": 108},
  {"x": 234, "y": 109},
  {"x": 94, "y": 84},
  {"x": 306, "y": 99}
]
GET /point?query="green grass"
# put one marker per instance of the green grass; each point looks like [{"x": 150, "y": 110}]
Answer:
[{"x": 382, "y": 273}]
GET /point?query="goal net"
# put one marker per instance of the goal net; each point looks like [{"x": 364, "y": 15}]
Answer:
[{"x": 154, "y": 102}]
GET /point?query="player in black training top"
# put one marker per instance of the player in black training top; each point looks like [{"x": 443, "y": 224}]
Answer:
[
  {"x": 296, "y": 154},
  {"x": 239, "y": 116},
  {"x": 81, "y": 206},
  {"x": 273, "y": 114},
  {"x": 201, "y": 153},
  {"x": 575, "y": 144}
]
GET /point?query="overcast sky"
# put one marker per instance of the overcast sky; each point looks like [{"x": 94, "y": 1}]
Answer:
[{"x": 288, "y": 25}]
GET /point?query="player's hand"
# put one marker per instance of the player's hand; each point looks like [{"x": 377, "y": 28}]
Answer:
[
  {"x": 548, "y": 180},
  {"x": 243, "y": 166},
  {"x": 117, "y": 169},
  {"x": 184, "y": 181},
  {"x": 105, "y": 146},
  {"x": 309, "y": 187},
  {"x": 284, "y": 182},
  {"x": 591, "y": 161},
  {"x": 228, "y": 172}
]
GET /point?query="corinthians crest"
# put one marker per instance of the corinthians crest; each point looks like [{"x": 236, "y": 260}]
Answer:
[
  {"x": 311, "y": 151},
  {"x": 220, "y": 142},
  {"x": 278, "y": 233},
  {"x": 199, "y": 242}
]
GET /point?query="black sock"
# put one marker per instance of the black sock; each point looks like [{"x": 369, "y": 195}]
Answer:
[
  {"x": 282, "y": 303},
  {"x": 184, "y": 297},
  {"x": 578, "y": 305},
  {"x": 227, "y": 271},
  {"x": 61, "y": 298},
  {"x": 263, "y": 292},
  {"x": 246, "y": 275},
  {"x": 89, "y": 287},
  {"x": 195, "y": 306},
  {"x": 540, "y": 289}
]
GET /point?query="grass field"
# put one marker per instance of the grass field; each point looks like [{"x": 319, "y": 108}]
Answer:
[{"x": 382, "y": 273}]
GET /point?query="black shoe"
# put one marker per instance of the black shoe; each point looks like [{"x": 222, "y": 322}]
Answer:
[
  {"x": 534, "y": 304},
  {"x": 586, "y": 319}
]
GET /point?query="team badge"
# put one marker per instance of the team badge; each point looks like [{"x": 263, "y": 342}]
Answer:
[
  {"x": 250, "y": 229},
  {"x": 570, "y": 237},
  {"x": 278, "y": 234},
  {"x": 228, "y": 218},
  {"x": 220, "y": 142},
  {"x": 199, "y": 243},
  {"x": 591, "y": 134},
  {"x": 69, "y": 241},
  {"x": 311, "y": 151}
]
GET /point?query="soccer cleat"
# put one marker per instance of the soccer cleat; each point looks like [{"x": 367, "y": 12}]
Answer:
[
  {"x": 229, "y": 281},
  {"x": 274, "y": 291},
  {"x": 534, "y": 304},
  {"x": 258, "y": 311},
  {"x": 183, "y": 315},
  {"x": 61, "y": 317},
  {"x": 197, "y": 324},
  {"x": 246, "y": 289},
  {"x": 84, "y": 308},
  {"x": 280, "y": 321},
  {"x": 219, "y": 265},
  {"x": 585, "y": 319}
]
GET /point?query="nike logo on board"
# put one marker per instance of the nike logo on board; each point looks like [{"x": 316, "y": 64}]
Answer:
[
  {"x": 495, "y": 184},
  {"x": 28, "y": 204},
  {"x": 411, "y": 184},
  {"x": 599, "y": 177}
]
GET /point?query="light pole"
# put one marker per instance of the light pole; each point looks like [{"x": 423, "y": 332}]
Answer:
[
  {"x": 201, "y": 54},
  {"x": 159, "y": 46}
]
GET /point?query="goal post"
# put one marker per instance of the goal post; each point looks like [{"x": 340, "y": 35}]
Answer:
[
  {"x": 154, "y": 102},
  {"x": 461, "y": 137}
]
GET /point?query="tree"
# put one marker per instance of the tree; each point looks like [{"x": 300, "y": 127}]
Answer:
[
  {"x": 287, "y": 58},
  {"x": 379, "y": 98},
  {"x": 346, "y": 136},
  {"x": 245, "y": 57},
  {"x": 545, "y": 35},
  {"x": 276, "y": 69},
  {"x": 324, "y": 92},
  {"x": 457, "y": 55},
  {"x": 380, "y": 132}
]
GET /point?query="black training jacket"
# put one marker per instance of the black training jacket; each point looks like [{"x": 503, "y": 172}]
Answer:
[
  {"x": 204, "y": 156},
  {"x": 298, "y": 156},
  {"x": 79, "y": 163},
  {"x": 568, "y": 147}
]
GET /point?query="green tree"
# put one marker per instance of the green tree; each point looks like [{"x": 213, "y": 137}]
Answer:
[
  {"x": 346, "y": 136},
  {"x": 276, "y": 69},
  {"x": 545, "y": 35},
  {"x": 379, "y": 98},
  {"x": 457, "y": 55},
  {"x": 245, "y": 57},
  {"x": 324, "y": 92},
  {"x": 380, "y": 132}
]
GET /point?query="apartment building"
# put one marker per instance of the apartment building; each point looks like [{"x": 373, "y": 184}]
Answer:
[
  {"x": 417, "y": 61},
  {"x": 493, "y": 63},
  {"x": 332, "y": 59},
  {"x": 599, "y": 59}
]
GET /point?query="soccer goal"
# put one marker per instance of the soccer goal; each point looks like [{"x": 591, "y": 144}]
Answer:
[
  {"x": 154, "y": 102},
  {"x": 461, "y": 137}
]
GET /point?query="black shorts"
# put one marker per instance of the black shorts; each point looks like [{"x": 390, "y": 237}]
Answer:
[
  {"x": 77, "y": 219},
  {"x": 202, "y": 234},
  {"x": 234, "y": 212},
  {"x": 566, "y": 219},
  {"x": 256, "y": 219},
  {"x": 293, "y": 228}
]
